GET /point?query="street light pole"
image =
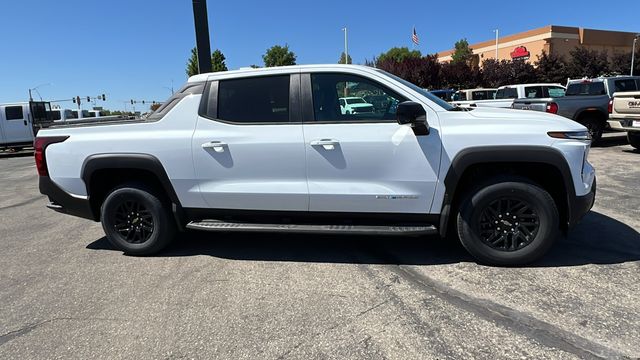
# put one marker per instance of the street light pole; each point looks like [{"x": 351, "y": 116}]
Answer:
[
  {"x": 36, "y": 90},
  {"x": 633, "y": 53},
  {"x": 346, "y": 49},
  {"x": 497, "y": 36}
]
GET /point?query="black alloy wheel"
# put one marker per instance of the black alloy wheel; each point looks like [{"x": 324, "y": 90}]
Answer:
[
  {"x": 133, "y": 221},
  {"x": 508, "y": 224}
]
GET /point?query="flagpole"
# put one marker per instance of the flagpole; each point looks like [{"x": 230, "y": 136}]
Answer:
[{"x": 346, "y": 49}]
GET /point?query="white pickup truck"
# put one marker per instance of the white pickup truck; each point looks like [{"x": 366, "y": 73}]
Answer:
[
  {"x": 624, "y": 115},
  {"x": 293, "y": 162},
  {"x": 505, "y": 95}
]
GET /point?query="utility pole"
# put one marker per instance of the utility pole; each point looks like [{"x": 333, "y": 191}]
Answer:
[
  {"x": 633, "y": 53},
  {"x": 203, "y": 46},
  {"x": 497, "y": 36},
  {"x": 346, "y": 48}
]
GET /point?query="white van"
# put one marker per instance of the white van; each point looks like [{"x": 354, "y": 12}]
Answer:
[{"x": 16, "y": 129}]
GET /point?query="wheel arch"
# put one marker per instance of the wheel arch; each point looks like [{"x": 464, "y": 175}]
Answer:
[
  {"x": 472, "y": 165},
  {"x": 121, "y": 168}
]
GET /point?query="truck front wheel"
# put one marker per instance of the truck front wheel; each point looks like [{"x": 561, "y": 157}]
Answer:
[
  {"x": 634, "y": 139},
  {"x": 136, "y": 220},
  {"x": 508, "y": 222}
]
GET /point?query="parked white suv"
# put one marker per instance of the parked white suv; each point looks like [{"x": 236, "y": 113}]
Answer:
[
  {"x": 506, "y": 182},
  {"x": 355, "y": 105}
]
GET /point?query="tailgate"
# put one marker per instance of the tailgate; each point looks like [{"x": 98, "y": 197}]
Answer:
[
  {"x": 626, "y": 104},
  {"x": 535, "y": 105}
]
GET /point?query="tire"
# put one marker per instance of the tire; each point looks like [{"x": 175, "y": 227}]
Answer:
[
  {"x": 595, "y": 127},
  {"x": 137, "y": 221},
  {"x": 477, "y": 228},
  {"x": 634, "y": 139}
]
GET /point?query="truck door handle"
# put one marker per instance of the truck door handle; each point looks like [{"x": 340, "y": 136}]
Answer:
[
  {"x": 217, "y": 146},
  {"x": 327, "y": 144}
]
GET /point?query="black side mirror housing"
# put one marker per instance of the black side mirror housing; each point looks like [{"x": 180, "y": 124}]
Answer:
[{"x": 413, "y": 113}]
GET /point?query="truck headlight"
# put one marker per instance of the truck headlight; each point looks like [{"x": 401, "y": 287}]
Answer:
[{"x": 571, "y": 135}]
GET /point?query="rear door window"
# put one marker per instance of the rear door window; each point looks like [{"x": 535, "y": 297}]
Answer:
[
  {"x": 555, "y": 91},
  {"x": 507, "y": 93},
  {"x": 13, "y": 113},
  {"x": 533, "y": 92},
  {"x": 254, "y": 100}
]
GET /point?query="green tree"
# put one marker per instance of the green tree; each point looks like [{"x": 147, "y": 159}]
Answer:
[
  {"x": 279, "y": 56},
  {"x": 587, "y": 63},
  {"x": 217, "y": 62},
  {"x": 398, "y": 54},
  {"x": 551, "y": 68},
  {"x": 621, "y": 63},
  {"x": 462, "y": 52},
  {"x": 341, "y": 61},
  {"x": 192, "y": 63}
]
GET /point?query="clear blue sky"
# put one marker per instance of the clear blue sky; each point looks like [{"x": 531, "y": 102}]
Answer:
[{"x": 133, "y": 49}]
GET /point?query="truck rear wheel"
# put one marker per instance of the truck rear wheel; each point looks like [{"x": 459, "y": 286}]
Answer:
[
  {"x": 508, "y": 222},
  {"x": 634, "y": 139},
  {"x": 136, "y": 221}
]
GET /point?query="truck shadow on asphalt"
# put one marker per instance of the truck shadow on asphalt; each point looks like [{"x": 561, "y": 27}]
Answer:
[{"x": 599, "y": 239}]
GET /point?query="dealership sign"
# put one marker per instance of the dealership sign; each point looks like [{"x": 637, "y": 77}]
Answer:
[{"x": 520, "y": 53}]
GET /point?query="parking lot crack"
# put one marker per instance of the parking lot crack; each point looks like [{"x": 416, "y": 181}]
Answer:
[{"x": 5, "y": 338}]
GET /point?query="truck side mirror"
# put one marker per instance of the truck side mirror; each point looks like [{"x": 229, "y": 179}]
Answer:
[{"x": 413, "y": 113}]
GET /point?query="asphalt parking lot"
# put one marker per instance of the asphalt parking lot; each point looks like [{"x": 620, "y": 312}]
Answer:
[{"x": 65, "y": 292}]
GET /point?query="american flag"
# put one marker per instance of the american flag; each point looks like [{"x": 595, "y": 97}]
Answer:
[{"x": 414, "y": 37}]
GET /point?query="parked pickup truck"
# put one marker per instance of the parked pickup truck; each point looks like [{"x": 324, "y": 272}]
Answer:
[
  {"x": 624, "y": 115},
  {"x": 585, "y": 101},
  {"x": 505, "y": 95},
  {"x": 507, "y": 183}
]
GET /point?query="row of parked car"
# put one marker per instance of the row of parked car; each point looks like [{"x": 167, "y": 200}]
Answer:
[{"x": 597, "y": 103}]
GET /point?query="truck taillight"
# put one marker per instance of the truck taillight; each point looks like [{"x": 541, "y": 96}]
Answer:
[
  {"x": 40, "y": 145},
  {"x": 610, "y": 106},
  {"x": 552, "y": 108}
]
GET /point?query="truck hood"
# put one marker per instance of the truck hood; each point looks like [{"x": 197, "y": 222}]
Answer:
[{"x": 525, "y": 117}]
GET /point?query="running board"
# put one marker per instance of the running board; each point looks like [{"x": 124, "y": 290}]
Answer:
[{"x": 216, "y": 225}]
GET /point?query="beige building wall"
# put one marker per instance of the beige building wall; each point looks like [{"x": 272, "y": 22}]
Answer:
[{"x": 560, "y": 40}]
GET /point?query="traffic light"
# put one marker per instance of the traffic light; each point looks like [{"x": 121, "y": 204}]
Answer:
[
  {"x": 88, "y": 98},
  {"x": 104, "y": 98},
  {"x": 142, "y": 102},
  {"x": 131, "y": 101},
  {"x": 153, "y": 102},
  {"x": 78, "y": 100},
  {"x": 74, "y": 100}
]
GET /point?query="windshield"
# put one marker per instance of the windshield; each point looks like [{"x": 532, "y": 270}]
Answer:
[{"x": 443, "y": 104}]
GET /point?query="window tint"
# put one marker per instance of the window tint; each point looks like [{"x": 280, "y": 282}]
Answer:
[
  {"x": 533, "y": 92},
  {"x": 365, "y": 99},
  {"x": 13, "y": 113},
  {"x": 459, "y": 96},
  {"x": 481, "y": 95},
  {"x": 507, "y": 93},
  {"x": 586, "y": 88},
  {"x": 56, "y": 115},
  {"x": 625, "y": 85},
  {"x": 260, "y": 99},
  {"x": 555, "y": 91}
]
